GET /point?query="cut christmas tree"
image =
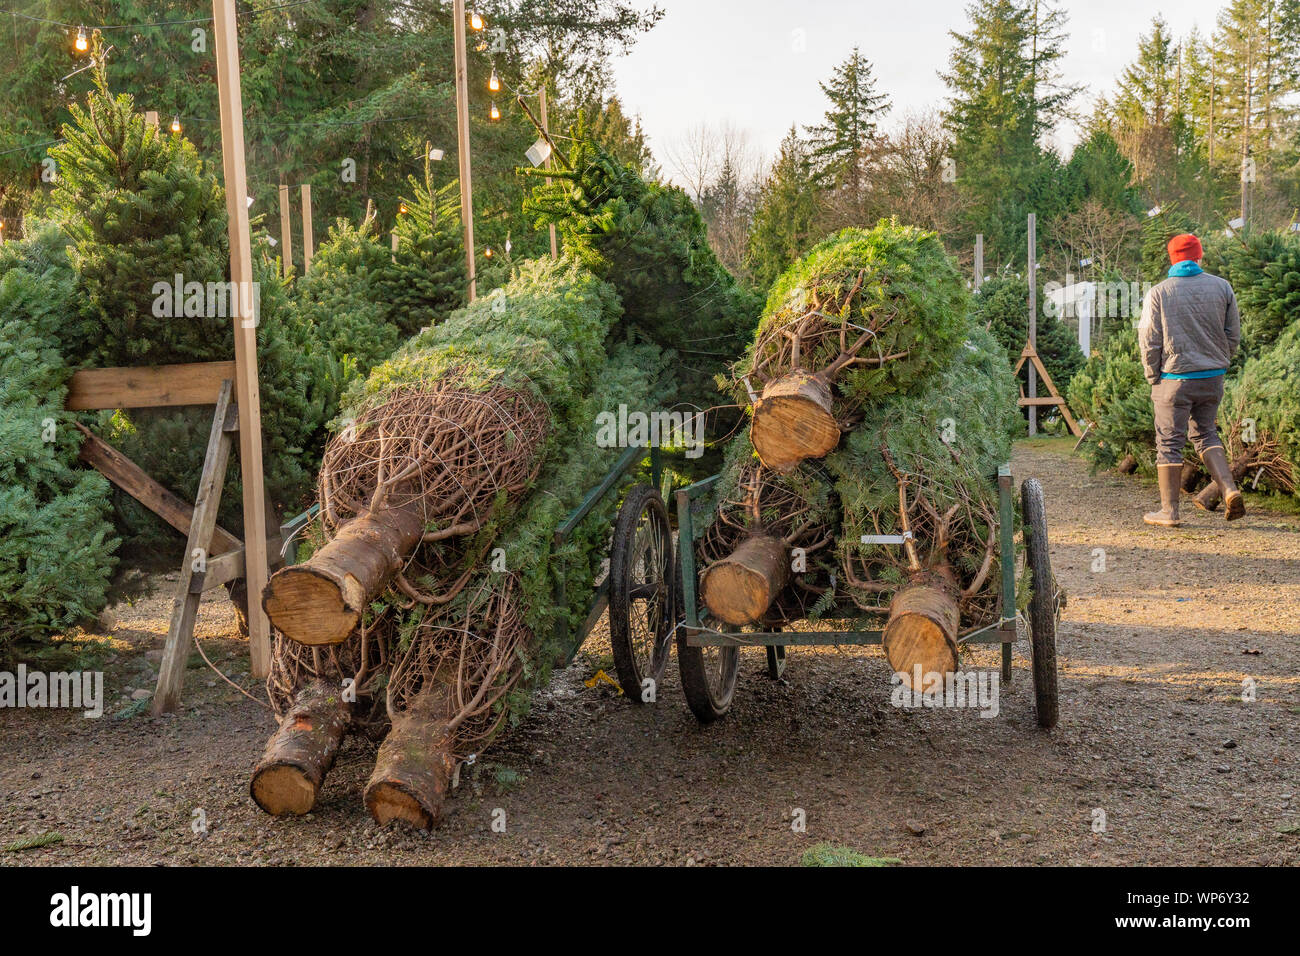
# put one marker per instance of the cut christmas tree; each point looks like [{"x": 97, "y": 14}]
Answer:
[{"x": 864, "y": 315}]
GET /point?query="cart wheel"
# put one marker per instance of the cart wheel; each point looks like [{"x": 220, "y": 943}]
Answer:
[
  {"x": 708, "y": 673},
  {"x": 1042, "y": 605},
  {"x": 640, "y": 605}
]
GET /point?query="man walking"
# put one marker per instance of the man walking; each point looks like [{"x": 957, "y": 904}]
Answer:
[{"x": 1188, "y": 334}]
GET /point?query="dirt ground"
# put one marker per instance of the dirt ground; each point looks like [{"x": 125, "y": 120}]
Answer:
[{"x": 1161, "y": 634}]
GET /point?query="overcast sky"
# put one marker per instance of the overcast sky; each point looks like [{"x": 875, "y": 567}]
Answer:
[{"x": 757, "y": 63}]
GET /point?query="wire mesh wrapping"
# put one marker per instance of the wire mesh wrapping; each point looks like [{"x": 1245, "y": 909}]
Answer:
[
  {"x": 948, "y": 525},
  {"x": 452, "y": 452},
  {"x": 795, "y": 507},
  {"x": 362, "y": 660},
  {"x": 471, "y": 649},
  {"x": 871, "y": 312}
]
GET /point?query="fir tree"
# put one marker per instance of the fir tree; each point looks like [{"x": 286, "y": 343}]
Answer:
[
  {"x": 782, "y": 229},
  {"x": 840, "y": 144}
]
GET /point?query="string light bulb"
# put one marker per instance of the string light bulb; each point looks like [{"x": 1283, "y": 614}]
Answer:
[
  {"x": 475, "y": 21},
  {"x": 494, "y": 83},
  {"x": 401, "y": 210},
  {"x": 487, "y": 253},
  {"x": 496, "y": 113},
  {"x": 82, "y": 43},
  {"x": 176, "y": 124}
]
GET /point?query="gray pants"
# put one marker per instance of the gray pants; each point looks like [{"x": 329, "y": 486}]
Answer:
[{"x": 1185, "y": 407}]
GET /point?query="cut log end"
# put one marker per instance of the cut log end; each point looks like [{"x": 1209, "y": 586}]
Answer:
[
  {"x": 793, "y": 422},
  {"x": 1127, "y": 465},
  {"x": 741, "y": 587},
  {"x": 283, "y": 789},
  {"x": 301, "y": 752},
  {"x": 313, "y": 608},
  {"x": 922, "y": 632},
  {"x": 414, "y": 767}
]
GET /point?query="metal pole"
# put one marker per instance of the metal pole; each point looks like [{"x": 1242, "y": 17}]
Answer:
[
  {"x": 1033, "y": 319},
  {"x": 462, "y": 141},
  {"x": 979, "y": 260}
]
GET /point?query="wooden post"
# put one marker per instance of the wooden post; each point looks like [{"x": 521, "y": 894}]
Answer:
[
  {"x": 185, "y": 607},
  {"x": 246, "y": 389},
  {"x": 151, "y": 118},
  {"x": 462, "y": 141},
  {"x": 286, "y": 232},
  {"x": 1032, "y": 275},
  {"x": 546, "y": 130},
  {"x": 308, "y": 241},
  {"x": 979, "y": 260}
]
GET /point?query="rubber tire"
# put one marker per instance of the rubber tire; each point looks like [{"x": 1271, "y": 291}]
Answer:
[
  {"x": 1042, "y": 603},
  {"x": 707, "y": 702},
  {"x": 640, "y": 500}
]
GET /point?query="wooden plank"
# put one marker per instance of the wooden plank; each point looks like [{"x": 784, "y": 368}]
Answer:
[
  {"x": 462, "y": 141},
  {"x": 1051, "y": 387},
  {"x": 286, "y": 232},
  {"x": 241, "y": 272},
  {"x": 195, "y": 383},
  {"x": 1046, "y": 400},
  {"x": 185, "y": 606},
  {"x": 131, "y": 478},
  {"x": 308, "y": 239},
  {"x": 228, "y": 567}
]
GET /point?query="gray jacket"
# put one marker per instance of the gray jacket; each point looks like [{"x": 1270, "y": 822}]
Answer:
[{"x": 1189, "y": 324}]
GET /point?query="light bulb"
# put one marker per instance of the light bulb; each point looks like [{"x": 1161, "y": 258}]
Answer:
[
  {"x": 494, "y": 83},
  {"x": 475, "y": 22},
  {"x": 402, "y": 209},
  {"x": 176, "y": 124},
  {"x": 82, "y": 43},
  {"x": 496, "y": 113},
  {"x": 487, "y": 253}
]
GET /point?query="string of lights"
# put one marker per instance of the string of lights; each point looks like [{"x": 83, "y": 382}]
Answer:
[{"x": 104, "y": 27}]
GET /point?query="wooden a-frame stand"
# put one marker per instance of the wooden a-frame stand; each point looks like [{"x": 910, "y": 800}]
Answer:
[
  {"x": 1030, "y": 354},
  {"x": 213, "y": 556}
]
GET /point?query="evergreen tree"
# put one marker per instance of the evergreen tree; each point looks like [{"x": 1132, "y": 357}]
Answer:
[
  {"x": 841, "y": 143},
  {"x": 56, "y": 543},
  {"x": 1005, "y": 95},
  {"x": 782, "y": 229},
  {"x": 1001, "y": 306}
]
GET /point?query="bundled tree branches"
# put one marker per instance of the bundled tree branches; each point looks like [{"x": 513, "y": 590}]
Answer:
[
  {"x": 928, "y": 426},
  {"x": 865, "y": 314},
  {"x": 456, "y": 462}
]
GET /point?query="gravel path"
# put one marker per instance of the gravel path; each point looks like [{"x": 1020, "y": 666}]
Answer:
[{"x": 1162, "y": 632}]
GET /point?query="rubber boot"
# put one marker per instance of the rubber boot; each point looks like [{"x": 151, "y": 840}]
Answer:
[
  {"x": 1216, "y": 463},
  {"x": 1171, "y": 486}
]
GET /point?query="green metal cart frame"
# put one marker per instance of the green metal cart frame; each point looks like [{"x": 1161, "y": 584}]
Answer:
[{"x": 1043, "y": 605}]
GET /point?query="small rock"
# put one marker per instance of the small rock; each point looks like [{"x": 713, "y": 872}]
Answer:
[
  {"x": 1229, "y": 744},
  {"x": 915, "y": 828},
  {"x": 141, "y": 694},
  {"x": 107, "y": 620}
]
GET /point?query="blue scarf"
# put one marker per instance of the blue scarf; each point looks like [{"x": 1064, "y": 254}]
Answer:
[{"x": 1188, "y": 267}]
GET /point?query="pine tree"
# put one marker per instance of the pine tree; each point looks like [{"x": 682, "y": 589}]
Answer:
[
  {"x": 1005, "y": 95},
  {"x": 840, "y": 144},
  {"x": 782, "y": 229},
  {"x": 56, "y": 541}
]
